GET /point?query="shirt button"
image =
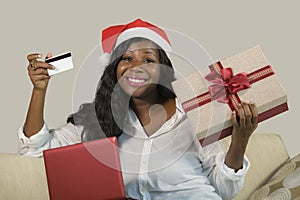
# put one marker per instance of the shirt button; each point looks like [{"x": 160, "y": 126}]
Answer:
[{"x": 148, "y": 140}]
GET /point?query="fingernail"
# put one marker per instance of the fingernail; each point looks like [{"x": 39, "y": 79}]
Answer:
[
  {"x": 52, "y": 67},
  {"x": 39, "y": 56}
]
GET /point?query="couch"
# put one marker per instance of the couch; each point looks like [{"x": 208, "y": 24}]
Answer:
[{"x": 23, "y": 177}]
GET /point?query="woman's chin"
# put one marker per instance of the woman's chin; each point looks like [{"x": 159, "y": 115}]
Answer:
[
  {"x": 140, "y": 91},
  {"x": 134, "y": 91}
]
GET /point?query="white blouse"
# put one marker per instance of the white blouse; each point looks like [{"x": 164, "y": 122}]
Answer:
[{"x": 170, "y": 164}]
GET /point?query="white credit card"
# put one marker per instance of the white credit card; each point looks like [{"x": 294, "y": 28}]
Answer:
[{"x": 62, "y": 62}]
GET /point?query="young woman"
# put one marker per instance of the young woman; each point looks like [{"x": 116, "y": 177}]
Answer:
[{"x": 160, "y": 156}]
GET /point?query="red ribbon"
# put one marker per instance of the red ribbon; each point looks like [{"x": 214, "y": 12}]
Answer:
[
  {"x": 233, "y": 84},
  {"x": 225, "y": 83}
]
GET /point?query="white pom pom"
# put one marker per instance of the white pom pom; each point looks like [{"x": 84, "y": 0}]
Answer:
[{"x": 104, "y": 59}]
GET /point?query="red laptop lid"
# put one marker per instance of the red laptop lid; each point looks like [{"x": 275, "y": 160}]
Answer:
[{"x": 89, "y": 170}]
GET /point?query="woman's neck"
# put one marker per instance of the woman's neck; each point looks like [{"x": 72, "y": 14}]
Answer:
[
  {"x": 154, "y": 112},
  {"x": 142, "y": 105}
]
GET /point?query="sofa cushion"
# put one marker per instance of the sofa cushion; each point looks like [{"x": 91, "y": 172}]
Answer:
[
  {"x": 284, "y": 184},
  {"x": 22, "y": 177},
  {"x": 266, "y": 153}
]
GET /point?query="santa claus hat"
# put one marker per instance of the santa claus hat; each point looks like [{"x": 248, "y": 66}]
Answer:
[{"x": 115, "y": 35}]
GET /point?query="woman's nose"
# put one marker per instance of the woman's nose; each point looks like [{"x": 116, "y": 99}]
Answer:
[
  {"x": 135, "y": 63},
  {"x": 135, "y": 69}
]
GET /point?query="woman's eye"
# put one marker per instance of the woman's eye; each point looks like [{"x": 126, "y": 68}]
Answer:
[
  {"x": 149, "y": 60},
  {"x": 127, "y": 59}
]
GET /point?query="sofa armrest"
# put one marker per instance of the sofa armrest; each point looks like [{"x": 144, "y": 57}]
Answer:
[
  {"x": 22, "y": 177},
  {"x": 266, "y": 153}
]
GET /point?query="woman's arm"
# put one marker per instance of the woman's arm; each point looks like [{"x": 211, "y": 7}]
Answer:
[
  {"x": 35, "y": 137},
  {"x": 37, "y": 71},
  {"x": 243, "y": 126},
  {"x": 226, "y": 171}
]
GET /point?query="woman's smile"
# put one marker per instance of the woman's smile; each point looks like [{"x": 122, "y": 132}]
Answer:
[{"x": 137, "y": 82}]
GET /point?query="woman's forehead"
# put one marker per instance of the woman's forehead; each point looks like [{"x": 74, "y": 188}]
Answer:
[{"x": 142, "y": 45}]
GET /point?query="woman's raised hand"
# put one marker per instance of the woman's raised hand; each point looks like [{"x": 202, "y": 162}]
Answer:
[
  {"x": 244, "y": 125},
  {"x": 37, "y": 71},
  {"x": 247, "y": 123}
]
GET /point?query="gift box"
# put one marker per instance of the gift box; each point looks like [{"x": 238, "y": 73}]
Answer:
[{"x": 209, "y": 99}]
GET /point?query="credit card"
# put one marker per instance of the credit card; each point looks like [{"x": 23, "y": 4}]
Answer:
[{"x": 62, "y": 62}]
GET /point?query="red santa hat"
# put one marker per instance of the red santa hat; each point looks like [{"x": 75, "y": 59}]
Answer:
[{"x": 115, "y": 35}]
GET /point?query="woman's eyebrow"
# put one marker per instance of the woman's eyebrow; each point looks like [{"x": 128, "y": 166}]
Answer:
[
  {"x": 150, "y": 51},
  {"x": 146, "y": 51}
]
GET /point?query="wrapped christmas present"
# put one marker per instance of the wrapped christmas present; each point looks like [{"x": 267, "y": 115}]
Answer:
[{"x": 209, "y": 99}]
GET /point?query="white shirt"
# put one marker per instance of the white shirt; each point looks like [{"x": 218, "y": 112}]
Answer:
[{"x": 170, "y": 164}]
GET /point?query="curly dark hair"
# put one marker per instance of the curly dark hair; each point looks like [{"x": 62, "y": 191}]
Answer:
[{"x": 105, "y": 116}]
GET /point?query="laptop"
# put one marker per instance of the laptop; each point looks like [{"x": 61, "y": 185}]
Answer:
[{"x": 88, "y": 170}]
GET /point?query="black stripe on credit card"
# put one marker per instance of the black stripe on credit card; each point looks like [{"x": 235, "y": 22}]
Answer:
[{"x": 66, "y": 55}]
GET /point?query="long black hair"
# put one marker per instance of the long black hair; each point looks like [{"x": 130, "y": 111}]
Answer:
[{"x": 104, "y": 117}]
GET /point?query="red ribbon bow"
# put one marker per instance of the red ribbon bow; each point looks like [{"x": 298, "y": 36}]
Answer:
[{"x": 225, "y": 84}]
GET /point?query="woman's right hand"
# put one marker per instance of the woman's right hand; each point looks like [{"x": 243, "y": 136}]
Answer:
[{"x": 37, "y": 71}]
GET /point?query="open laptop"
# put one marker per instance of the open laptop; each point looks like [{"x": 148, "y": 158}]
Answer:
[{"x": 89, "y": 170}]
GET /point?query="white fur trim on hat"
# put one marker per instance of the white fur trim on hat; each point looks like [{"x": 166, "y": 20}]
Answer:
[
  {"x": 145, "y": 33},
  {"x": 104, "y": 59}
]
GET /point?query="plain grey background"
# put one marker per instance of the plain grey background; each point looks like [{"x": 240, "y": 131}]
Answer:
[{"x": 223, "y": 28}]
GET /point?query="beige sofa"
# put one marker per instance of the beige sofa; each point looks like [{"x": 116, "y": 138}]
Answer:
[{"x": 23, "y": 177}]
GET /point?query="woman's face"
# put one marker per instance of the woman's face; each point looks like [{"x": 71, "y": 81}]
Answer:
[{"x": 138, "y": 71}]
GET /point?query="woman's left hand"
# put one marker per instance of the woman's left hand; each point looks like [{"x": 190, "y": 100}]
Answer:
[{"x": 244, "y": 125}]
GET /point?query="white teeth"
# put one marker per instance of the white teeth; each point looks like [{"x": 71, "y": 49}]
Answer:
[{"x": 136, "y": 80}]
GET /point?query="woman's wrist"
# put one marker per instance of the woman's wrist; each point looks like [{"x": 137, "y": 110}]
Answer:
[
  {"x": 39, "y": 90},
  {"x": 235, "y": 156}
]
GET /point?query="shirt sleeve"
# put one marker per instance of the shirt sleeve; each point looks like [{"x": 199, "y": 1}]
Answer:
[
  {"x": 226, "y": 181},
  {"x": 47, "y": 139}
]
